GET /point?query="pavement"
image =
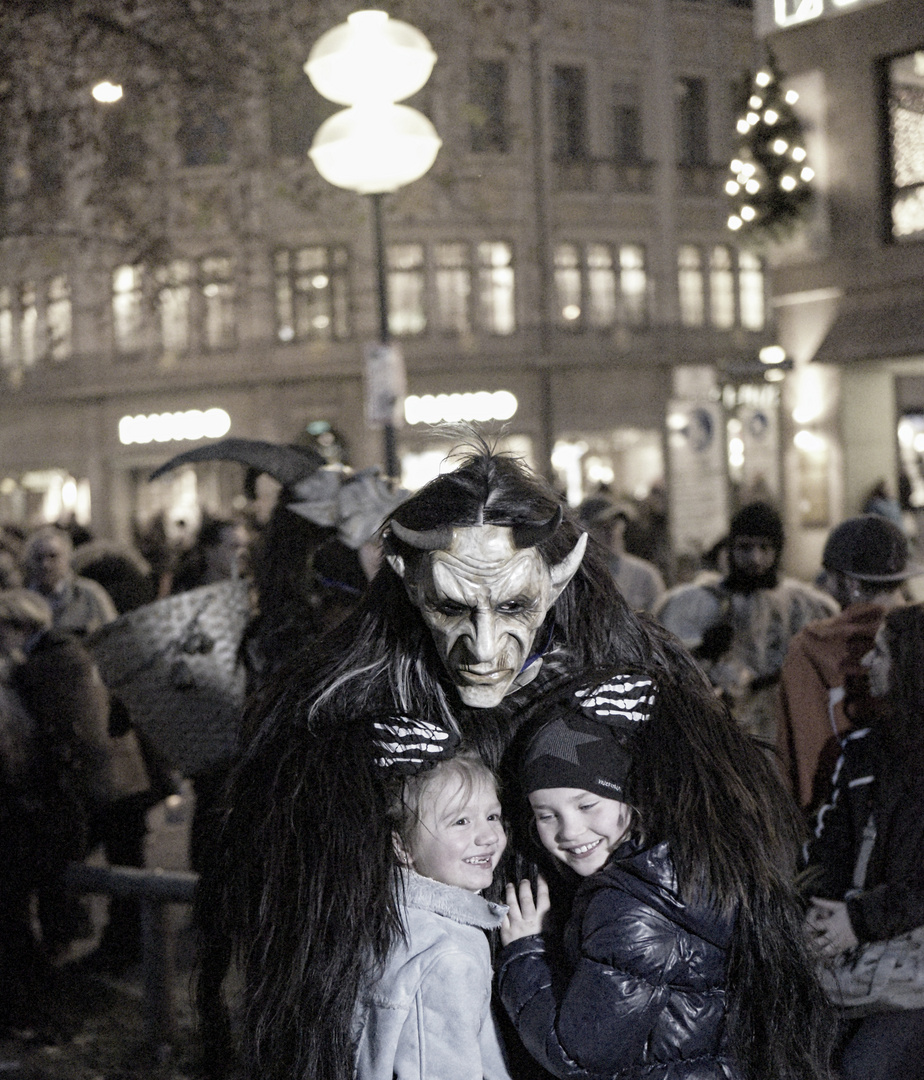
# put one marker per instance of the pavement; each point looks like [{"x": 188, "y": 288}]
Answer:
[{"x": 99, "y": 1032}]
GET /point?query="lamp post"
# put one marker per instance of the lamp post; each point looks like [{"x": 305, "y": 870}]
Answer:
[{"x": 372, "y": 147}]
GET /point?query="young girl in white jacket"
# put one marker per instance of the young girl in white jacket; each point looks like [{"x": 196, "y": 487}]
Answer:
[{"x": 427, "y": 1013}]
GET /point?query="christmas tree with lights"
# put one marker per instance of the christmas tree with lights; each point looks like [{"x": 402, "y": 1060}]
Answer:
[{"x": 770, "y": 185}]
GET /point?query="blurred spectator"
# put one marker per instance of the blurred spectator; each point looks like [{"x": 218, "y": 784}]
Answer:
[
  {"x": 10, "y": 558},
  {"x": 60, "y": 689},
  {"x": 78, "y": 605},
  {"x": 639, "y": 581},
  {"x": 141, "y": 777},
  {"x": 878, "y": 797},
  {"x": 879, "y": 500},
  {"x": 648, "y": 534},
  {"x": 739, "y": 627},
  {"x": 30, "y": 846},
  {"x": 823, "y": 685},
  {"x": 121, "y": 569},
  {"x": 219, "y": 553}
]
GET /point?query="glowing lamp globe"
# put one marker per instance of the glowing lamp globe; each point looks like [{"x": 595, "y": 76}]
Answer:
[
  {"x": 374, "y": 148},
  {"x": 370, "y": 57}
]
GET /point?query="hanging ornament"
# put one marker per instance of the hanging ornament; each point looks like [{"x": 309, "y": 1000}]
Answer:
[{"x": 770, "y": 180}]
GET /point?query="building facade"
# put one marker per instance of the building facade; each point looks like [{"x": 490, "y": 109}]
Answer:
[
  {"x": 849, "y": 299},
  {"x": 564, "y": 268}
]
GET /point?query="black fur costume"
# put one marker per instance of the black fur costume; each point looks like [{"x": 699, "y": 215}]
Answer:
[{"x": 304, "y": 891}]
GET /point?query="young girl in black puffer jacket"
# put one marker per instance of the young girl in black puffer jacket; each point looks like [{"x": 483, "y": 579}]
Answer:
[{"x": 682, "y": 956}]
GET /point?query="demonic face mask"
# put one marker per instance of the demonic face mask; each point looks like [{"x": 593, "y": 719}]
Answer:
[{"x": 484, "y": 600}]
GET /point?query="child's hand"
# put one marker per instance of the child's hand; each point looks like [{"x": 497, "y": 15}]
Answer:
[
  {"x": 526, "y": 915},
  {"x": 829, "y": 925}
]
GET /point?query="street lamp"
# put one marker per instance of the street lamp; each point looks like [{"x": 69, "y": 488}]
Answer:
[{"x": 372, "y": 147}]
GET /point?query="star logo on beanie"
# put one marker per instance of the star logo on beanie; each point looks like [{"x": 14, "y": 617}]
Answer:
[{"x": 561, "y": 741}]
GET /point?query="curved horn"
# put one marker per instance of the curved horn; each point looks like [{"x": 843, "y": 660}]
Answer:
[
  {"x": 425, "y": 540},
  {"x": 532, "y": 533},
  {"x": 287, "y": 464}
]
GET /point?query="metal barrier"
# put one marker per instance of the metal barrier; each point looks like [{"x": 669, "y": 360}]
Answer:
[{"x": 153, "y": 889}]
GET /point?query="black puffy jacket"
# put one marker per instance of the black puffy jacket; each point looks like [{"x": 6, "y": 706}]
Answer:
[
  {"x": 644, "y": 990},
  {"x": 892, "y": 898}
]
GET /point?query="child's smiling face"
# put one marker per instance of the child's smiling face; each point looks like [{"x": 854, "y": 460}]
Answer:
[
  {"x": 579, "y": 828},
  {"x": 459, "y": 837}
]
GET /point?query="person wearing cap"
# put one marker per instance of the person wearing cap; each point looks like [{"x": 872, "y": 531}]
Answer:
[
  {"x": 638, "y": 580},
  {"x": 823, "y": 685},
  {"x": 739, "y": 627},
  {"x": 668, "y": 843}
]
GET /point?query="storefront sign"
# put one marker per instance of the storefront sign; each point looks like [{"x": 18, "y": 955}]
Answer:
[
  {"x": 174, "y": 426},
  {"x": 779, "y": 14},
  {"x": 456, "y": 408}
]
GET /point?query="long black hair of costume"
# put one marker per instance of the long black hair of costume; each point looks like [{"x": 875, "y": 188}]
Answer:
[
  {"x": 303, "y": 891},
  {"x": 704, "y": 787}
]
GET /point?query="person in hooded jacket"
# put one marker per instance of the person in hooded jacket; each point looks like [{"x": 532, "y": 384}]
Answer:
[{"x": 824, "y": 689}]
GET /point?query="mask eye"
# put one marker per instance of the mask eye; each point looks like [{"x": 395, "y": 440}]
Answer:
[{"x": 449, "y": 607}]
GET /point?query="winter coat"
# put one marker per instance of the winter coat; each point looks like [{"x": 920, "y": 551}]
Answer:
[
  {"x": 68, "y": 777},
  {"x": 822, "y": 681},
  {"x": 759, "y": 627},
  {"x": 80, "y": 606},
  {"x": 638, "y": 580},
  {"x": 428, "y": 1017},
  {"x": 892, "y": 898},
  {"x": 642, "y": 993}
]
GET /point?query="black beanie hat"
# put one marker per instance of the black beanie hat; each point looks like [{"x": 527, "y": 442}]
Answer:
[
  {"x": 585, "y": 737},
  {"x": 758, "y": 519}
]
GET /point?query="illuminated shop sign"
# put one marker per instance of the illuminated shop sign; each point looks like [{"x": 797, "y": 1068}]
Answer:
[
  {"x": 454, "y": 408},
  {"x": 777, "y": 14},
  {"x": 191, "y": 425}
]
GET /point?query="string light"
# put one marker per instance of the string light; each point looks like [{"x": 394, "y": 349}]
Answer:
[{"x": 768, "y": 181}]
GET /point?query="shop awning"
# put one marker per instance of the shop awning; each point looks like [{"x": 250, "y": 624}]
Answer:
[{"x": 894, "y": 328}]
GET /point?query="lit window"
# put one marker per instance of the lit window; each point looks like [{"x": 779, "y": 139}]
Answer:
[
  {"x": 7, "y": 354},
  {"x": 28, "y": 324},
  {"x": 407, "y": 314},
  {"x": 721, "y": 288},
  {"x": 602, "y": 305},
  {"x": 312, "y": 295},
  {"x": 218, "y": 294},
  {"x": 751, "y": 299},
  {"x": 495, "y": 287},
  {"x": 690, "y": 285},
  {"x": 568, "y": 284},
  {"x": 173, "y": 298},
  {"x": 127, "y": 308},
  {"x": 633, "y": 284},
  {"x": 453, "y": 280},
  {"x": 905, "y": 164}
]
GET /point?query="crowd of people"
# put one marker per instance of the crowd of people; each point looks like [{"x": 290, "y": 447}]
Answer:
[{"x": 503, "y": 804}]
